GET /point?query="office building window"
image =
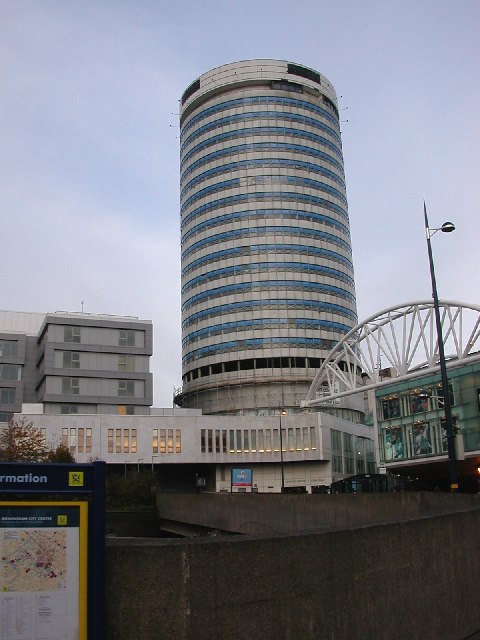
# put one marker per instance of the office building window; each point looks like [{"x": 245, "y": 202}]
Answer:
[
  {"x": 7, "y": 395},
  {"x": 73, "y": 439},
  {"x": 10, "y": 372},
  {"x": 224, "y": 441},
  {"x": 245, "y": 442},
  {"x": 118, "y": 441},
  {"x": 126, "y": 388},
  {"x": 360, "y": 454},
  {"x": 126, "y": 363},
  {"x": 348, "y": 456},
  {"x": 81, "y": 440},
  {"x": 268, "y": 440},
  {"x": 337, "y": 459},
  {"x": 178, "y": 441},
  {"x": 276, "y": 439},
  {"x": 64, "y": 440},
  {"x": 110, "y": 441},
  {"x": 239, "y": 441},
  {"x": 126, "y": 441},
  {"x": 70, "y": 386},
  {"x": 231, "y": 434},
  {"x": 65, "y": 409},
  {"x": 163, "y": 441},
  {"x": 88, "y": 440},
  {"x": 71, "y": 360},
  {"x": 71, "y": 334},
  {"x": 134, "y": 441},
  {"x": 261, "y": 445},
  {"x": 313, "y": 438},
  {"x": 291, "y": 441},
  {"x": 170, "y": 441},
  {"x": 306, "y": 439},
  {"x": 298, "y": 439},
  {"x": 217, "y": 441},
  {"x": 203, "y": 442},
  {"x": 253, "y": 441},
  {"x": 154, "y": 440},
  {"x": 126, "y": 338},
  {"x": 8, "y": 348},
  {"x": 209, "y": 441}
]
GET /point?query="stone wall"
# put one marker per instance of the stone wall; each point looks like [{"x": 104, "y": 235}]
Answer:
[
  {"x": 414, "y": 580},
  {"x": 284, "y": 513}
]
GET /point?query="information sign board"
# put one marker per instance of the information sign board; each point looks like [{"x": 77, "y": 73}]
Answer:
[
  {"x": 43, "y": 570},
  {"x": 52, "y": 551}
]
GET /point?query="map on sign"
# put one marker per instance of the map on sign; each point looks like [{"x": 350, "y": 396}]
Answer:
[
  {"x": 40, "y": 578},
  {"x": 33, "y": 560}
]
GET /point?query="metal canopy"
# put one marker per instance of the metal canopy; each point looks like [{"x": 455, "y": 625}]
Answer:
[{"x": 402, "y": 338}]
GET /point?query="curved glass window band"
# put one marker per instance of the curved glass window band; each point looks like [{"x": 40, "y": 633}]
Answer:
[
  {"x": 261, "y": 147},
  {"x": 279, "y": 323},
  {"x": 253, "y": 249},
  {"x": 268, "y": 285},
  {"x": 261, "y": 131},
  {"x": 276, "y": 116},
  {"x": 250, "y": 232},
  {"x": 258, "y": 267},
  {"x": 259, "y": 343},
  {"x": 273, "y": 214},
  {"x": 267, "y": 163},
  {"x": 252, "y": 305},
  {"x": 261, "y": 196},
  {"x": 307, "y": 183},
  {"x": 258, "y": 100}
]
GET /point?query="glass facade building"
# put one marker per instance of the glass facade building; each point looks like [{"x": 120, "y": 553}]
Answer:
[
  {"x": 410, "y": 417},
  {"x": 267, "y": 274}
]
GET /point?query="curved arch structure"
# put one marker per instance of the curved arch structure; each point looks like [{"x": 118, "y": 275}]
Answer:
[{"x": 402, "y": 338}]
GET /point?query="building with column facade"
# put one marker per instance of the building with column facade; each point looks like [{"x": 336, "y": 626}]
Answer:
[{"x": 267, "y": 274}]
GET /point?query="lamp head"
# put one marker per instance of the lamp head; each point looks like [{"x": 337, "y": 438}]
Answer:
[
  {"x": 283, "y": 412},
  {"x": 448, "y": 227}
]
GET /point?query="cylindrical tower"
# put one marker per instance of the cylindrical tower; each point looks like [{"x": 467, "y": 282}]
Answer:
[{"x": 267, "y": 274}]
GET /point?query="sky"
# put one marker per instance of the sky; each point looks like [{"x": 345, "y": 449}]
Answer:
[{"x": 89, "y": 179}]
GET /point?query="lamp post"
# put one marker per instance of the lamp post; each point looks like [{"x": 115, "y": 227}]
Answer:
[
  {"x": 152, "y": 461},
  {"x": 282, "y": 413},
  {"x": 447, "y": 227}
]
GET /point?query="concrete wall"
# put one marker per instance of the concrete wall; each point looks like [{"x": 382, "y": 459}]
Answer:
[
  {"x": 413, "y": 580},
  {"x": 277, "y": 513}
]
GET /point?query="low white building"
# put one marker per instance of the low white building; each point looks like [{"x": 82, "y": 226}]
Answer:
[{"x": 318, "y": 448}]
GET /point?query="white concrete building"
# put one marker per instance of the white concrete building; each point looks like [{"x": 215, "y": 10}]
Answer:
[{"x": 210, "y": 446}]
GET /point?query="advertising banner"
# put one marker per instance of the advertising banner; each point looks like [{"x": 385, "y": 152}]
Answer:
[{"x": 242, "y": 477}]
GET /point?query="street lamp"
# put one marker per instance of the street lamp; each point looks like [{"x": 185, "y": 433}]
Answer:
[
  {"x": 447, "y": 227},
  {"x": 282, "y": 413}
]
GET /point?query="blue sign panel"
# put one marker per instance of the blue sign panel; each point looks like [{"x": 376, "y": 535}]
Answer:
[
  {"x": 45, "y": 478},
  {"x": 74, "y": 532},
  {"x": 242, "y": 477}
]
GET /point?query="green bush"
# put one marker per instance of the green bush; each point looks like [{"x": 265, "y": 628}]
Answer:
[{"x": 133, "y": 492}]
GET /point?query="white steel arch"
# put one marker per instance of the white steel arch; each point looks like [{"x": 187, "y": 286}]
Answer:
[{"x": 402, "y": 338}]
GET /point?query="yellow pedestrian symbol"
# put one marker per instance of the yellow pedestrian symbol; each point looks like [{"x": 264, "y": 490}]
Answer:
[
  {"x": 62, "y": 520},
  {"x": 75, "y": 478}
]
